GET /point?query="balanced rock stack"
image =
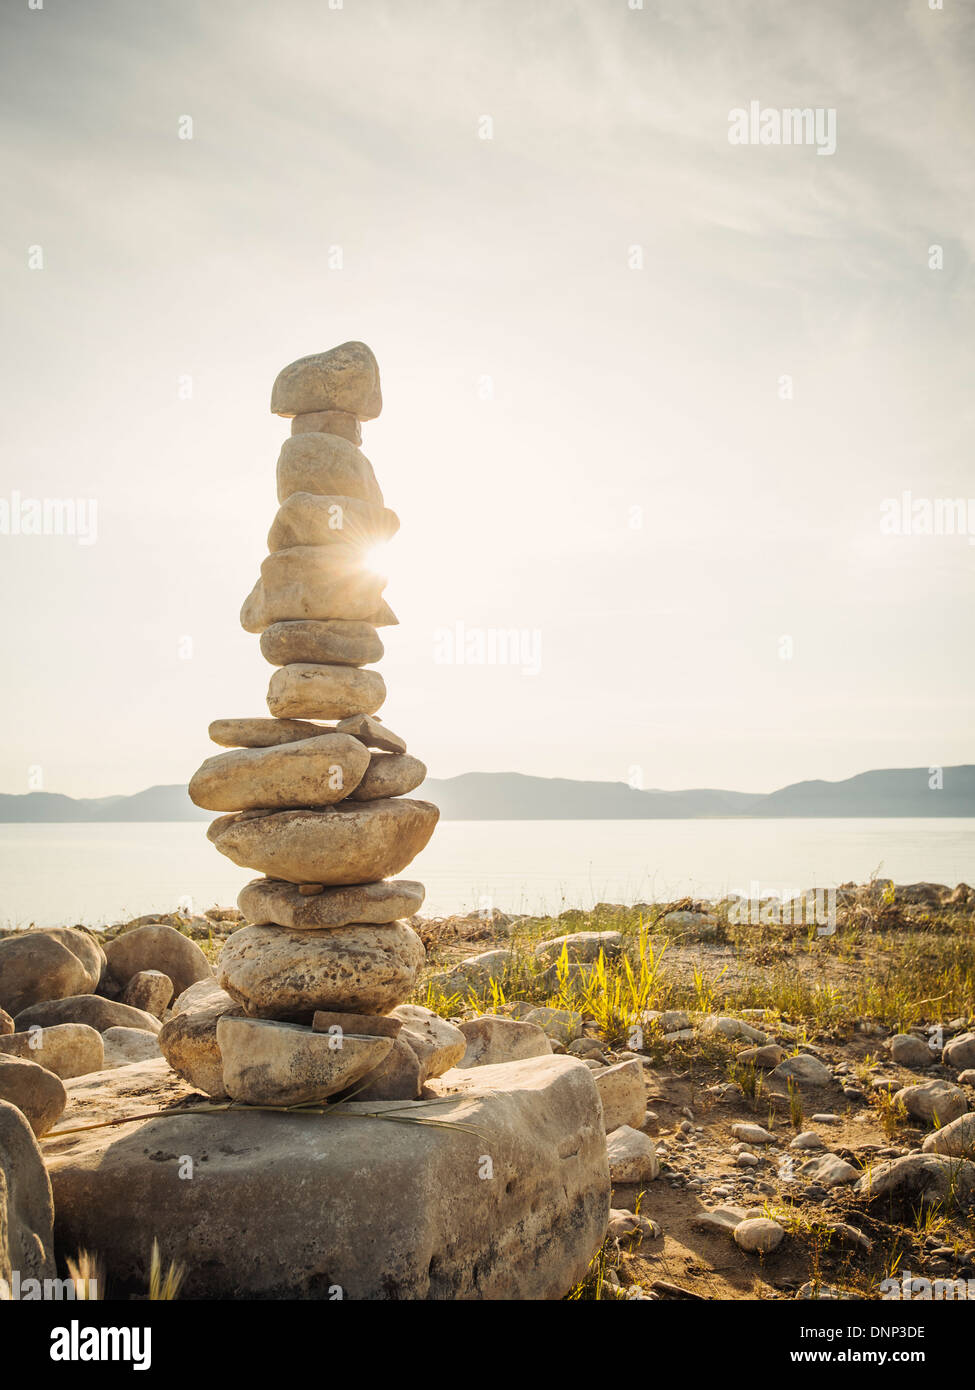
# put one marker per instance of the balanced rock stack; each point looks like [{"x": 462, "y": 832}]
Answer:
[{"x": 319, "y": 809}]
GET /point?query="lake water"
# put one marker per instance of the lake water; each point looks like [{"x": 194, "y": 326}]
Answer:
[{"x": 95, "y": 874}]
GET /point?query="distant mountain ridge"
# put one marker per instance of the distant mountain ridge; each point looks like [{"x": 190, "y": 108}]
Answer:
[{"x": 891, "y": 792}]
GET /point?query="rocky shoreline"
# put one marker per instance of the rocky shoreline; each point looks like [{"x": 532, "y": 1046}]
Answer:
[{"x": 725, "y": 1149}]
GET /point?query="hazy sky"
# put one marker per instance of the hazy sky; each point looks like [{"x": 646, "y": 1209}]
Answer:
[{"x": 543, "y": 394}]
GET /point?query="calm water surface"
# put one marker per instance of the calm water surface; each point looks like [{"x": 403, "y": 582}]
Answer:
[{"x": 94, "y": 874}]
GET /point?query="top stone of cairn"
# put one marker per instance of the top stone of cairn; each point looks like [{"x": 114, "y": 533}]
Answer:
[{"x": 345, "y": 378}]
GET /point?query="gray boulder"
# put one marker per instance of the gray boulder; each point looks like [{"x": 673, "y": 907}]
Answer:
[
  {"x": 40, "y": 965},
  {"x": 931, "y": 1177},
  {"x": 149, "y": 990},
  {"x": 67, "y": 1049},
  {"x": 492, "y": 1039},
  {"x": 157, "y": 947},
  {"x": 26, "y": 1208},
  {"x": 511, "y": 1205},
  {"x": 35, "y": 1091},
  {"x": 92, "y": 1009}
]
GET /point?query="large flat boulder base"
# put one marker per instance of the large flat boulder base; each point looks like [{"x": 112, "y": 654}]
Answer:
[{"x": 301, "y": 1206}]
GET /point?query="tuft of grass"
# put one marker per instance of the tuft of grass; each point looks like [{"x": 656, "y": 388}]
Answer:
[
  {"x": 891, "y": 1112},
  {"x": 748, "y": 1077},
  {"x": 164, "y": 1287},
  {"x": 88, "y": 1273}
]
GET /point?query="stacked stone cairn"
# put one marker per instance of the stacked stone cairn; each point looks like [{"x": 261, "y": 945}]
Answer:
[{"x": 320, "y": 809}]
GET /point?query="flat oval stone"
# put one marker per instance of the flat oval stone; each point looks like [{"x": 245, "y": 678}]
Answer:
[
  {"x": 276, "y": 973},
  {"x": 372, "y": 732},
  {"x": 327, "y": 465},
  {"x": 313, "y": 581},
  {"x": 36, "y": 1092},
  {"x": 269, "y": 900},
  {"x": 328, "y": 422},
  {"x": 304, "y": 691},
  {"x": 305, "y": 518},
  {"x": 330, "y": 643},
  {"x": 92, "y": 1009},
  {"x": 256, "y": 615},
  {"x": 266, "y": 1062},
  {"x": 264, "y": 733},
  {"x": 389, "y": 774},
  {"x": 342, "y": 844},
  {"x": 344, "y": 378},
  {"x": 67, "y": 1049},
  {"x": 311, "y": 772}
]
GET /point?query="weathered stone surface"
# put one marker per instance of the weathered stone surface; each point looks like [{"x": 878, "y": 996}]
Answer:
[
  {"x": 276, "y": 973},
  {"x": 310, "y": 772},
  {"x": 751, "y": 1134},
  {"x": 397, "y": 1078},
  {"x": 328, "y": 466},
  {"x": 26, "y": 1207},
  {"x": 67, "y": 1049},
  {"x": 492, "y": 1040},
  {"x": 726, "y": 1027},
  {"x": 324, "y": 692},
  {"x": 274, "y": 901},
  {"x": 666, "y": 1020},
  {"x": 188, "y": 1040},
  {"x": 828, "y": 1170},
  {"x": 630, "y": 1228},
  {"x": 256, "y": 612},
  {"x": 908, "y": 1051},
  {"x": 623, "y": 1094},
  {"x": 561, "y": 1025},
  {"x": 156, "y": 946},
  {"x": 40, "y": 965},
  {"x": 340, "y": 422},
  {"x": 722, "y": 1221},
  {"x": 435, "y": 1231},
  {"x": 271, "y": 1063},
  {"x": 345, "y": 524},
  {"x": 766, "y": 1057},
  {"x": 632, "y": 1156},
  {"x": 6, "y": 1023},
  {"x": 932, "y": 1101},
  {"x": 690, "y": 922},
  {"x": 363, "y": 1025},
  {"x": 318, "y": 582},
  {"x": 82, "y": 944},
  {"x": 438, "y": 1044},
  {"x": 956, "y": 1138},
  {"x": 927, "y": 1176},
  {"x": 804, "y": 1070},
  {"x": 759, "y": 1235},
  {"x": 334, "y": 643},
  {"x": 960, "y": 1051},
  {"x": 582, "y": 946},
  {"x": 149, "y": 990},
  {"x": 344, "y": 378},
  {"x": 372, "y": 732},
  {"x": 475, "y": 973},
  {"x": 92, "y": 1009},
  {"x": 389, "y": 774},
  {"x": 34, "y": 1090},
  {"x": 264, "y": 733},
  {"x": 126, "y": 1045},
  {"x": 341, "y": 844}
]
